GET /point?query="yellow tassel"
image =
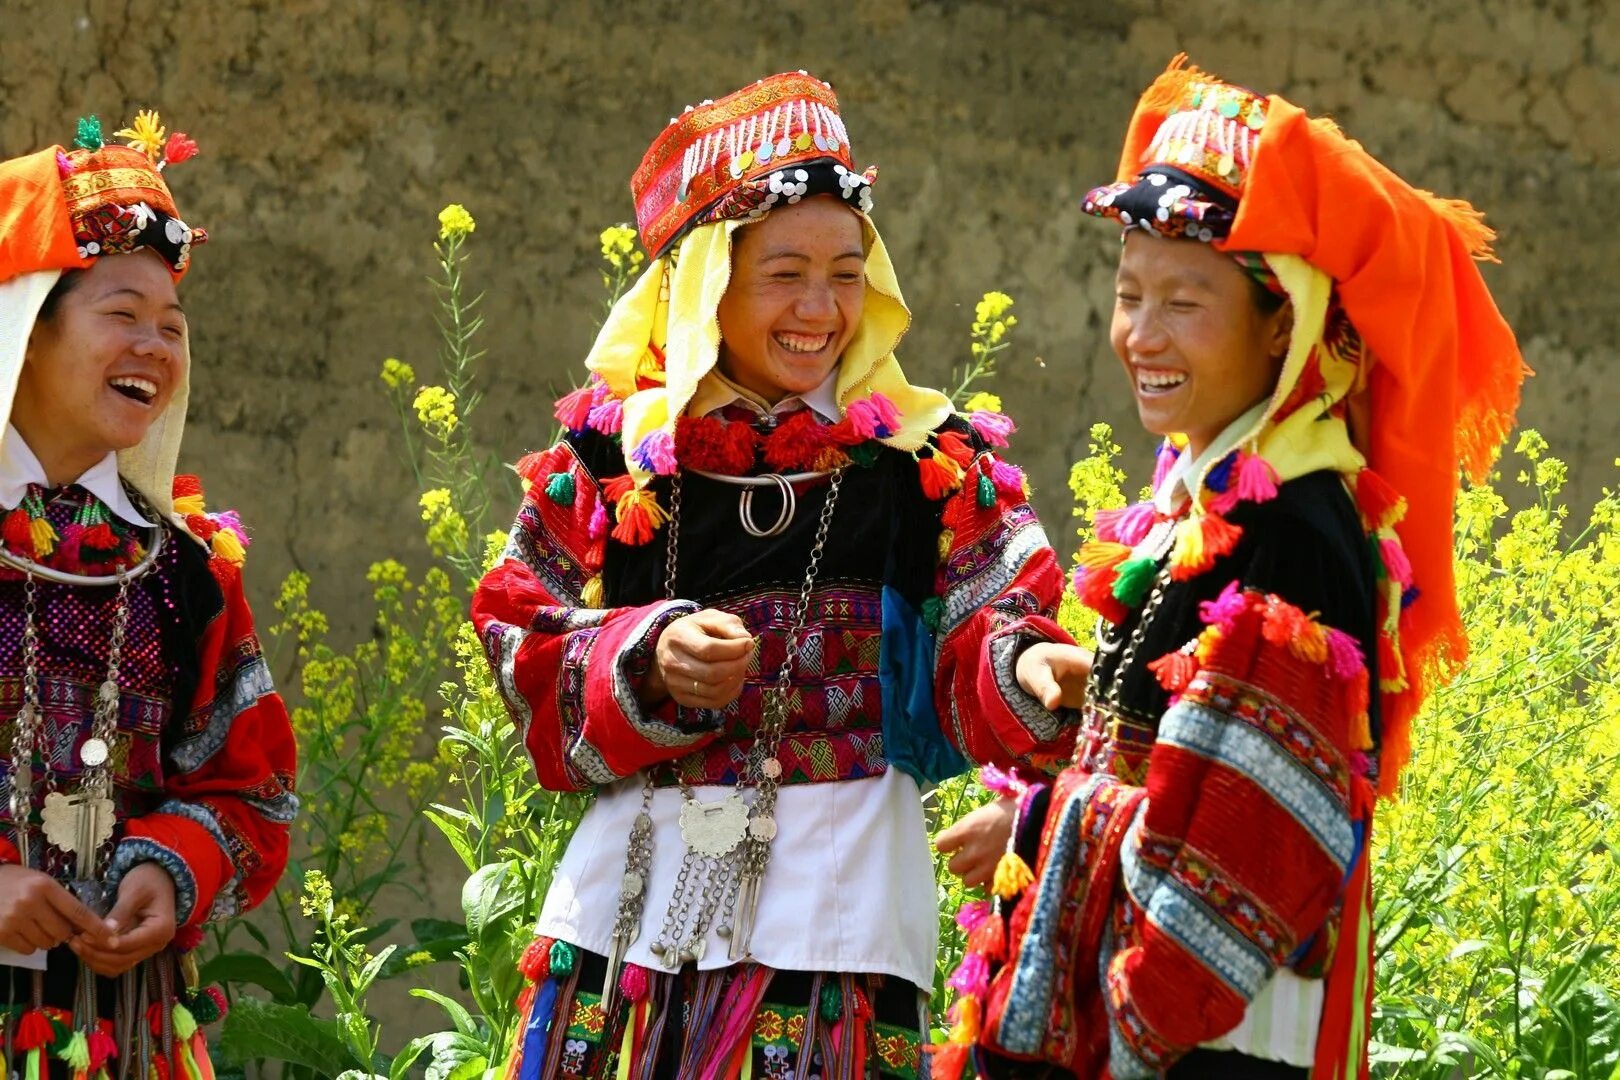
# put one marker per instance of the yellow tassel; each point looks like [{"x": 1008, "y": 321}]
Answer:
[
  {"x": 591, "y": 595},
  {"x": 186, "y": 505},
  {"x": 228, "y": 547},
  {"x": 1206, "y": 643},
  {"x": 1188, "y": 553},
  {"x": 44, "y": 543},
  {"x": 1012, "y": 876},
  {"x": 1310, "y": 644},
  {"x": 1361, "y": 732},
  {"x": 946, "y": 539},
  {"x": 966, "y": 1030}
]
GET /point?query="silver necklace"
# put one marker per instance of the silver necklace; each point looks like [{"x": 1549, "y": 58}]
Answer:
[{"x": 728, "y": 843}]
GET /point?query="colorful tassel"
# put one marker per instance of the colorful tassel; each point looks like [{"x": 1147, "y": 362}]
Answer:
[
  {"x": 656, "y": 453},
  {"x": 933, "y": 613},
  {"x": 949, "y": 1060},
  {"x": 101, "y": 1049},
  {"x": 598, "y": 525},
  {"x": 1009, "y": 479},
  {"x": 528, "y": 467},
  {"x": 591, "y": 595},
  {"x": 640, "y": 517},
  {"x": 993, "y": 427},
  {"x": 1188, "y": 558},
  {"x": 75, "y": 1053},
  {"x": 563, "y": 958},
  {"x": 972, "y": 976},
  {"x": 536, "y": 959},
  {"x": 989, "y": 938},
  {"x": 888, "y": 415},
  {"x": 1344, "y": 655},
  {"x": 228, "y": 546},
  {"x": 1396, "y": 564},
  {"x": 44, "y": 537},
  {"x": 1381, "y": 506},
  {"x": 1256, "y": 479},
  {"x": 955, "y": 446},
  {"x": 966, "y": 1030},
  {"x": 862, "y": 419},
  {"x": 574, "y": 409},
  {"x": 607, "y": 417},
  {"x": 560, "y": 488},
  {"x": 831, "y": 1004},
  {"x": 1128, "y": 525},
  {"x": 971, "y": 914},
  {"x": 1220, "y": 535},
  {"x": 1219, "y": 478},
  {"x": 1175, "y": 670},
  {"x": 1163, "y": 462},
  {"x": 1012, "y": 876},
  {"x": 634, "y": 982},
  {"x": 940, "y": 475},
  {"x": 88, "y": 135},
  {"x": 986, "y": 492},
  {"x": 1225, "y": 608},
  {"x": 1134, "y": 580},
  {"x": 18, "y": 533}
]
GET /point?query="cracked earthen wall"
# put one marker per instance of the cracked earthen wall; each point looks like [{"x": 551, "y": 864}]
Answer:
[{"x": 334, "y": 130}]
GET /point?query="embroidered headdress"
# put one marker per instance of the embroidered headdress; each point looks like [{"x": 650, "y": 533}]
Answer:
[
  {"x": 1400, "y": 370},
  {"x": 61, "y": 209},
  {"x": 714, "y": 169}
]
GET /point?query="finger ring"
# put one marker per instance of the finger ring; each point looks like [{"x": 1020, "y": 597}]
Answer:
[{"x": 697, "y": 687}]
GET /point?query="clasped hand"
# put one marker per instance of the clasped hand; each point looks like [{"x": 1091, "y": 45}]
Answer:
[
  {"x": 701, "y": 661},
  {"x": 37, "y": 912}
]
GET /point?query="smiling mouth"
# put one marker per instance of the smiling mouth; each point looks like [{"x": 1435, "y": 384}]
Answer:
[
  {"x": 135, "y": 388},
  {"x": 802, "y": 343},
  {"x": 1159, "y": 381}
]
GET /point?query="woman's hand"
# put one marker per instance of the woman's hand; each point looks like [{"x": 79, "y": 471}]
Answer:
[
  {"x": 140, "y": 924},
  {"x": 36, "y": 912},
  {"x": 1055, "y": 674},
  {"x": 977, "y": 842},
  {"x": 701, "y": 661}
]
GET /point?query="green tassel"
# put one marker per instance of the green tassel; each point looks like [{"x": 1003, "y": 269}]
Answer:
[
  {"x": 203, "y": 1007},
  {"x": 1134, "y": 581},
  {"x": 88, "y": 136},
  {"x": 866, "y": 454},
  {"x": 560, "y": 488},
  {"x": 987, "y": 492},
  {"x": 832, "y": 1002},
  {"x": 562, "y": 958},
  {"x": 933, "y": 611},
  {"x": 76, "y": 1054}
]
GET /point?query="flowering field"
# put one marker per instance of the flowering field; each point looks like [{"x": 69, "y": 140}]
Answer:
[{"x": 1497, "y": 871}]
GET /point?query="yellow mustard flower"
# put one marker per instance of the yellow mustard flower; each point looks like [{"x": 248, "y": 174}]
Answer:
[
  {"x": 455, "y": 222},
  {"x": 397, "y": 374},
  {"x": 983, "y": 401}
]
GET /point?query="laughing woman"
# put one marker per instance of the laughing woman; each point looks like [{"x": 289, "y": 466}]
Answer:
[
  {"x": 148, "y": 762},
  {"x": 1313, "y": 338},
  {"x": 762, "y": 588}
]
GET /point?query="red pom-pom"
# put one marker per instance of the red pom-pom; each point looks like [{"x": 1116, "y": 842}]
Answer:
[
  {"x": 1175, "y": 671},
  {"x": 19, "y": 533},
  {"x": 793, "y": 446},
  {"x": 711, "y": 444},
  {"x": 180, "y": 147},
  {"x": 574, "y": 409},
  {"x": 101, "y": 1048},
  {"x": 100, "y": 537},
  {"x": 617, "y": 487},
  {"x": 536, "y": 959},
  {"x": 1220, "y": 536},
  {"x": 940, "y": 476},
  {"x": 186, "y": 485},
  {"x": 34, "y": 1031},
  {"x": 956, "y": 447},
  {"x": 634, "y": 982}
]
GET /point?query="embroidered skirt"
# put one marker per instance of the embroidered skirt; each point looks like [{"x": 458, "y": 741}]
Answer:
[{"x": 745, "y": 1022}]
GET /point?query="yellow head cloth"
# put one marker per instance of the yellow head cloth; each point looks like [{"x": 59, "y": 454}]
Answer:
[{"x": 663, "y": 337}]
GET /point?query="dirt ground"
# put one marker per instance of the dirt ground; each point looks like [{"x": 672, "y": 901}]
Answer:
[{"x": 332, "y": 132}]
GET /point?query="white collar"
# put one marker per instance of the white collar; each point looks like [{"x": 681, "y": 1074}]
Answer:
[
  {"x": 716, "y": 391},
  {"x": 19, "y": 467},
  {"x": 1176, "y": 487}
]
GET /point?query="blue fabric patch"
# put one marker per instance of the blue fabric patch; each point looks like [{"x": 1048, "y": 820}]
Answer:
[
  {"x": 534, "y": 1036},
  {"x": 912, "y": 739}
]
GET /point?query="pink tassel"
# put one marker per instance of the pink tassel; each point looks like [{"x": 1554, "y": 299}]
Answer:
[
  {"x": 1256, "y": 479},
  {"x": 656, "y": 454},
  {"x": 1001, "y": 781},
  {"x": 573, "y": 409},
  {"x": 863, "y": 419},
  {"x": 1128, "y": 525},
  {"x": 1161, "y": 467},
  {"x": 972, "y": 977},
  {"x": 599, "y": 522},
  {"x": 1009, "y": 479},
  {"x": 1077, "y": 581},
  {"x": 971, "y": 914},
  {"x": 1226, "y": 501},
  {"x": 63, "y": 165},
  {"x": 1224, "y": 610},
  {"x": 1396, "y": 564},
  {"x": 633, "y": 983},
  {"x": 993, "y": 427},
  {"x": 608, "y": 417},
  {"x": 888, "y": 415},
  {"x": 1360, "y": 763},
  {"x": 1344, "y": 655}
]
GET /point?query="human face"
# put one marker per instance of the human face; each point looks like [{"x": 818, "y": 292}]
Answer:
[
  {"x": 798, "y": 286},
  {"x": 1197, "y": 349},
  {"x": 103, "y": 367}
]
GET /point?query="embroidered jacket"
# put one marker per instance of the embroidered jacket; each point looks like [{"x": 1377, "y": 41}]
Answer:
[
  {"x": 1206, "y": 838},
  {"x": 914, "y": 623},
  {"x": 204, "y": 753}
]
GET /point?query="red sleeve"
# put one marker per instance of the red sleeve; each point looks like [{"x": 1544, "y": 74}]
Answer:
[
  {"x": 569, "y": 669},
  {"x": 1254, "y": 819},
  {"x": 1000, "y": 586},
  {"x": 222, "y": 830}
]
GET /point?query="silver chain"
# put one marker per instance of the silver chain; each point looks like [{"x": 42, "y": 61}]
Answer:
[{"x": 728, "y": 885}]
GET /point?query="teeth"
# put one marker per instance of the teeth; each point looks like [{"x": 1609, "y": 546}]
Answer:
[
  {"x": 1159, "y": 380},
  {"x": 803, "y": 343},
  {"x": 145, "y": 387}
]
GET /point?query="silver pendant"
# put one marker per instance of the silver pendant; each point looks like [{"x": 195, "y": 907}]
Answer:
[
  {"x": 714, "y": 829},
  {"x": 68, "y": 819}
]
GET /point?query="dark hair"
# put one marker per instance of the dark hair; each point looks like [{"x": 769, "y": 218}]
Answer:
[
  {"x": 64, "y": 285},
  {"x": 1267, "y": 301}
]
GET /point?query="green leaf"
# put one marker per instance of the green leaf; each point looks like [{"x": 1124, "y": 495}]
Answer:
[
  {"x": 459, "y": 1016},
  {"x": 450, "y": 1050},
  {"x": 456, "y": 835},
  {"x": 470, "y": 1068},
  {"x": 493, "y": 893},
  {"x": 237, "y": 969},
  {"x": 407, "y": 1056},
  {"x": 266, "y": 1031}
]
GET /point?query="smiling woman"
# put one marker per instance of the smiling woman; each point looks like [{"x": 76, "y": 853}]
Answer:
[
  {"x": 150, "y": 764},
  {"x": 761, "y": 590}
]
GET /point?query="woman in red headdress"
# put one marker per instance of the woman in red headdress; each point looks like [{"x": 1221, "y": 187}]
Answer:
[
  {"x": 761, "y": 590},
  {"x": 148, "y": 761},
  {"x": 1312, "y": 337}
]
